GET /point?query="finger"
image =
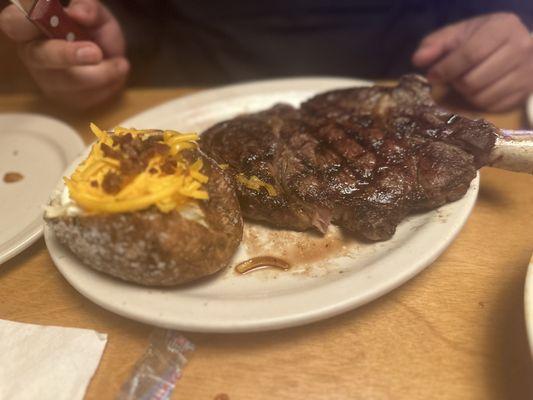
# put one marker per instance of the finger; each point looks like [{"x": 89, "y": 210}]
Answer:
[
  {"x": 509, "y": 102},
  {"x": 89, "y": 13},
  {"x": 435, "y": 45},
  {"x": 59, "y": 54},
  {"x": 105, "y": 29},
  {"x": 497, "y": 65},
  {"x": 514, "y": 82},
  {"x": 76, "y": 79},
  {"x": 482, "y": 42},
  {"x": 462, "y": 60},
  {"x": 109, "y": 35},
  {"x": 16, "y": 26}
]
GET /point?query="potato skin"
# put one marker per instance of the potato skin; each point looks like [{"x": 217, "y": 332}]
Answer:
[{"x": 156, "y": 249}]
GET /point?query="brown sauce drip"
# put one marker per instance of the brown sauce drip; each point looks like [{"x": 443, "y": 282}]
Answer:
[
  {"x": 296, "y": 248},
  {"x": 11, "y": 177},
  {"x": 257, "y": 263}
]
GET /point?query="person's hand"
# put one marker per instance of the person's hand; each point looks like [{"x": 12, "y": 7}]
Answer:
[
  {"x": 488, "y": 59},
  {"x": 78, "y": 74}
]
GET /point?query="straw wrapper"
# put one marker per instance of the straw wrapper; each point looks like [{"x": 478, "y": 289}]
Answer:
[{"x": 161, "y": 366}]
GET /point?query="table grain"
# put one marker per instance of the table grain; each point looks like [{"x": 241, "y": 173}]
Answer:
[{"x": 455, "y": 331}]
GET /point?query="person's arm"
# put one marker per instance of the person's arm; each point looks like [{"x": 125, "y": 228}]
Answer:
[
  {"x": 77, "y": 74},
  {"x": 488, "y": 59}
]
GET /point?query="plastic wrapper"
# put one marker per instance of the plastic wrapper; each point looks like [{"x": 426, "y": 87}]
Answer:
[{"x": 156, "y": 373}]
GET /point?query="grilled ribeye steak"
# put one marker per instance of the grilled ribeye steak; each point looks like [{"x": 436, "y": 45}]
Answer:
[
  {"x": 268, "y": 147},
  {"x": 362, "y": 158}
]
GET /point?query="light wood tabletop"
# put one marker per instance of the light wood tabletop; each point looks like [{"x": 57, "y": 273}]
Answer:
[{"x": 455, "y": 331}]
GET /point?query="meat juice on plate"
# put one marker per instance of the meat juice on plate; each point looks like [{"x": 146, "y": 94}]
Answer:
[{"x": 297, "y": 252}]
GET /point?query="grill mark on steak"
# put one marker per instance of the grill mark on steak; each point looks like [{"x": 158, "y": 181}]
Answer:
[
  {"x": 404, "y": 110},
  {"x": 266, "y": 145},
  {"x": 362, "y": 158}
]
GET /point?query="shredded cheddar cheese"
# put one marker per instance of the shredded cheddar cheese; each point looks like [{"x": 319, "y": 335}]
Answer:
[
  {"x": 255, "y": 183},
  {"x": 151, "y": 186}
]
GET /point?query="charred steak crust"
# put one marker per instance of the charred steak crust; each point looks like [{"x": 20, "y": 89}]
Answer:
[
  {"x": 362, "y": 158},
  {"x": 153, "y": 248},
  {"x": 405, "y": 110},
  {"x": 267, "y": 145}
]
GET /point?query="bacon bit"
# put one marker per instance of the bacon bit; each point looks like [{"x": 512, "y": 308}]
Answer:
[
  {"x": 134, "y": 153},
  {"x": 109, "y": 152},
  {"x": 169, "y": 166},
  {"x": 112, "y": 183},
  {"x": 12, "y": 177},
  {"x": 153, "y": 163},
  {"x": 158, "y": 147},
  {"x": 154, "y": 138},
  {"x": 119, "y": 140},
  {"x": 129, "y": 167}
]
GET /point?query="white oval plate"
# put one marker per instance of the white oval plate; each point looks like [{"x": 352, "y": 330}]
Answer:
[
  {"x": 350, "y": 273},
  {"x": 40, "y": 148},
  {"x": 528, "y": 300}
]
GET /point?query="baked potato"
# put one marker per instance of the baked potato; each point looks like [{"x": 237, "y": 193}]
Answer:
[{"x": 148, "y": 207}]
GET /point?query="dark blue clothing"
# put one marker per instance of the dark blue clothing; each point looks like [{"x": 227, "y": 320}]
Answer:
[{"x": 204, "y": 42}]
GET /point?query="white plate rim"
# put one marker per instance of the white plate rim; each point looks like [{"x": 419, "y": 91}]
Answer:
[
  {"x": 32, "y": 233},
  {"x": 528, "y": 303},
  {"x": 357, "y": 299},
  {"x": 529, "y": 109}
]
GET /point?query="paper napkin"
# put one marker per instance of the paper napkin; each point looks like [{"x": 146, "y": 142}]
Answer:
[{"x": 47, "y": 362}]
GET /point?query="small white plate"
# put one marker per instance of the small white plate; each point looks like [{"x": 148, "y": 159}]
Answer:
[
  {"x": 348, "y": 274},
  {"x": 39, "y": 148},
  {"x": 528, "y": 300}
]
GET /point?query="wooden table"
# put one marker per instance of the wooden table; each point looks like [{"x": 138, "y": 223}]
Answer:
[{"x": 455, "y": 331}]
